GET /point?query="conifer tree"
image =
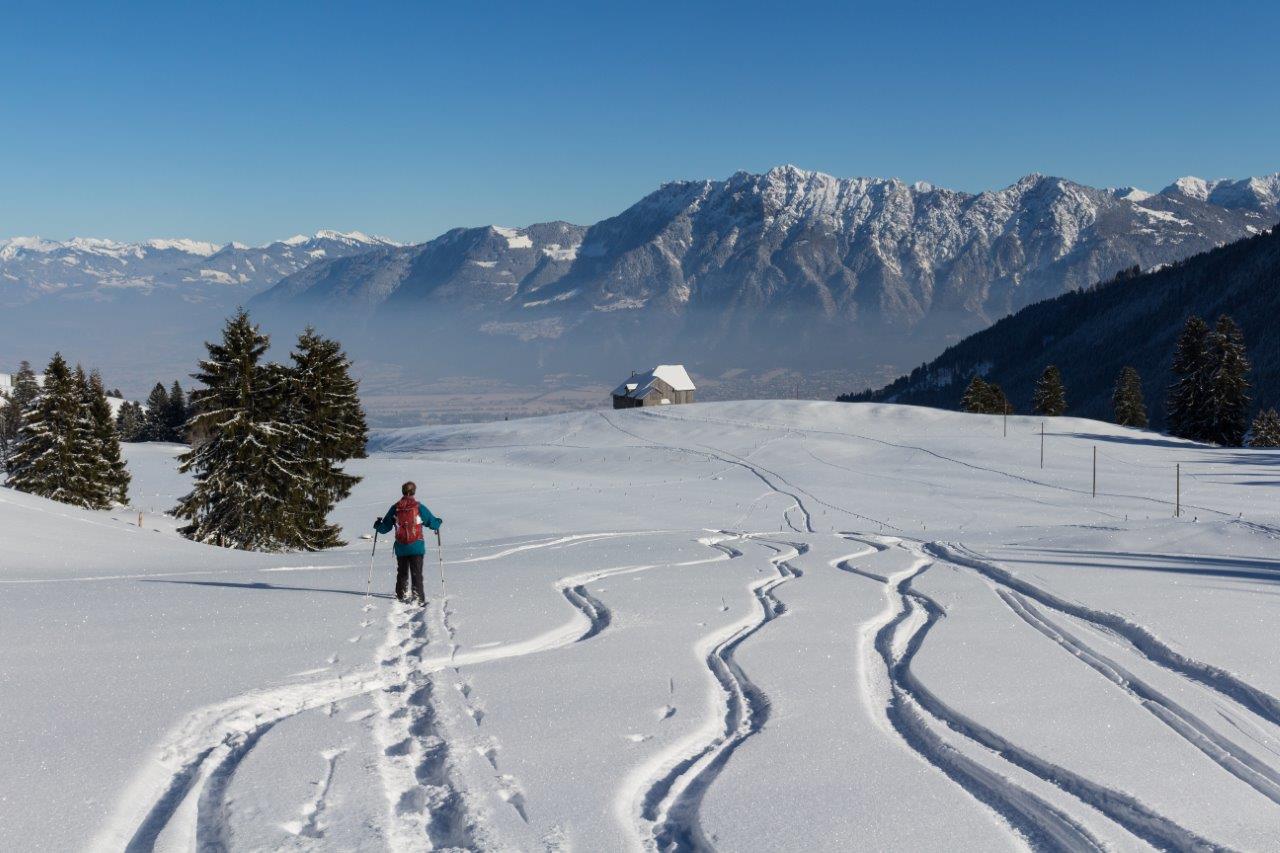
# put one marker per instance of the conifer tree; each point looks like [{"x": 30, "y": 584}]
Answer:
[
  {"x": 324, "y": 404},
  {"x": 176, "y": 414},
  {"x": 997, "y": 402},
  {"x": 1228, "y": 384},
  {"x": 96, "y": 491},
  {"x": 1130, "y": 408},
  {"x": 49, "y": 456},
  {"x": 131, "y": 422},
  {"x": 976, "y": 395},
  {"x": 8, "y": 414},
  {"x": 1049, "y": 398},
  {"x": 1265, "y": 431},
  {"x": 247, "y": 476},
  {"x": 6, "y": 411},
  {"x": 985, "y": 398},
  {"x": 25, "y": 390},
  {"x": 1187, "y": 404},
  {"x": 158, "y": 412},
  {"x": 110, "y": 476}
]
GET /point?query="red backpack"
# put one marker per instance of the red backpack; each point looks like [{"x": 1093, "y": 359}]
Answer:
[{"x": 408, "y": 521}]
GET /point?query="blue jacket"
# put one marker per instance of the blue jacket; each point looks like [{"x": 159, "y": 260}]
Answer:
[{"x": 412, "y": 549}]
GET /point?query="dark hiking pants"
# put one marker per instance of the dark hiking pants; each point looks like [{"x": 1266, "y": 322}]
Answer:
[{"x": 406, "y": 566}]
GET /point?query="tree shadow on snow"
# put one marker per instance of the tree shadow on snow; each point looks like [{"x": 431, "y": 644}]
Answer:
[
  {"x": 1133, "y": 439},
  {"x": 1238, "y": 568},
  {"x": 268, "y": 586}
]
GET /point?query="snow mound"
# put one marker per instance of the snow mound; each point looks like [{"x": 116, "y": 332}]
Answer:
[{"x": 646, "y": 623}]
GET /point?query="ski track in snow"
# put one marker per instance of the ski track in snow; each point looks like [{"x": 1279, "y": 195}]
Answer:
[
  {"x": 1233, "y": 758},
  {"x": 428, "y": 806},
  {"x": 1140, "y": 638},
  {"x": 181, "y": 795},
  {"x": 1121, "y": 808},
  {"x": 669, "y": 800},
  {"x": 182, "y": 790},
  {"x": 764, "y": 425},
  {"x": 895, "y": 635}
]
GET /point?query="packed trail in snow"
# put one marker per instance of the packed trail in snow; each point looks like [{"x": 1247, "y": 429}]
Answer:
[{"x": 737, "y": 626}]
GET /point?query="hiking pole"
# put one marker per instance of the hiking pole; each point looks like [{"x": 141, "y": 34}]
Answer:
[
  {"x": 368, "y": 589},
  {"x": 440, "y": 554}
]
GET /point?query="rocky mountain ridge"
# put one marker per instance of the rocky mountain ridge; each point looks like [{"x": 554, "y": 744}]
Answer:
[{"x": 792, "y": 265}]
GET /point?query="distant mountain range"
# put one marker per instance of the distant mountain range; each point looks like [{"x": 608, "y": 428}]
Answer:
[
  {"x": 32, "y": 268},
  {"x": 790, "y": 268},
  {"x": 1091, "y": 334}
]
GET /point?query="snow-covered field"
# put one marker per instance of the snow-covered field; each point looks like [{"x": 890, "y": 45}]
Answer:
[{"x": 746, "y": 626}]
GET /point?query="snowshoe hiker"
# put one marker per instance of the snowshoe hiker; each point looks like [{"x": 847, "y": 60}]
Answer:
[{"x": 407, "y": 517}]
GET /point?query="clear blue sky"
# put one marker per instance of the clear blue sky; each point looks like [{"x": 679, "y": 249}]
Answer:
[{"x": 258, "y": 120}]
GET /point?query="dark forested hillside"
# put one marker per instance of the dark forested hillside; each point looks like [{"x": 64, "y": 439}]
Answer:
[{"x": 1132, "y": 320}]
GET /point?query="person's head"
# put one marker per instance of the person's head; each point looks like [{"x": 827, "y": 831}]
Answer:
[{"x": 409, "y": 489}]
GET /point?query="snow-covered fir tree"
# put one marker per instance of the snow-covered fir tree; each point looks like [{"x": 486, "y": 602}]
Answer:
[
  {"x": 1265, "y": 431},
  {"x": 995, "y": 402},
  {"x": 985, "y": 398},
  {"x": 1050, "y": 397},
  {"x": 247, "y": 474},
  {"x": 1228, "y": 384},
  {"x": 175, "y": 414},
  {"x": 25, "y": 390},
  {"x": 109, "y": 476},
  {"x": 1127, "y": 401},
  {"x": 96, "y": 490},
  {"x": 324, "y": 403},
  {"x": 158, "y": 427},
  {"x": 131, "y": 422},
  {"x": 7, "y": 413},
  {"x": 974, "y": 399},
  {"x": 49, "y": 457},
  {"x": 1187, "y": 404}
]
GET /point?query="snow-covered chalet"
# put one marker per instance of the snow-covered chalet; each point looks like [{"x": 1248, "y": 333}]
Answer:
[{"x": 666, "y": 384}]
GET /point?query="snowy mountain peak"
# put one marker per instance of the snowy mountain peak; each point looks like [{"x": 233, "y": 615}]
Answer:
[
  {"x": 1256, "y": 193},
  {"x": 790, "y": 254},
  {"x": 33, "y": 268},
  {"x": 349, "y": 237},
  {"x": 1032, "y": 179},
  {"x": 353, "y": 237},
  {"x": 1130, "y": 193},
  {"x": 191, "y": 247},
  {"x": 1191, "y": 187},
  {"x": 9, "y": 248},
  {"x": 793, "y": 173}
]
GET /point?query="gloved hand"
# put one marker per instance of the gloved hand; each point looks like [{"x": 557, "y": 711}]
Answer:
[
  {"x": 376, "y": 522},
  {"x": 436, "y": 526}
]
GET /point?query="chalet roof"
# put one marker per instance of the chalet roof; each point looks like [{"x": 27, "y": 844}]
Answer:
[{"x": 641, "y": 384}]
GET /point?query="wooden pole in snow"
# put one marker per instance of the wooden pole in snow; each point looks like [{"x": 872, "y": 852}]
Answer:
[
  {"x": 1177, "y": 493},
  {"x": 1095, "y": 470},
  {"x": 1042, "y": 444}
]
